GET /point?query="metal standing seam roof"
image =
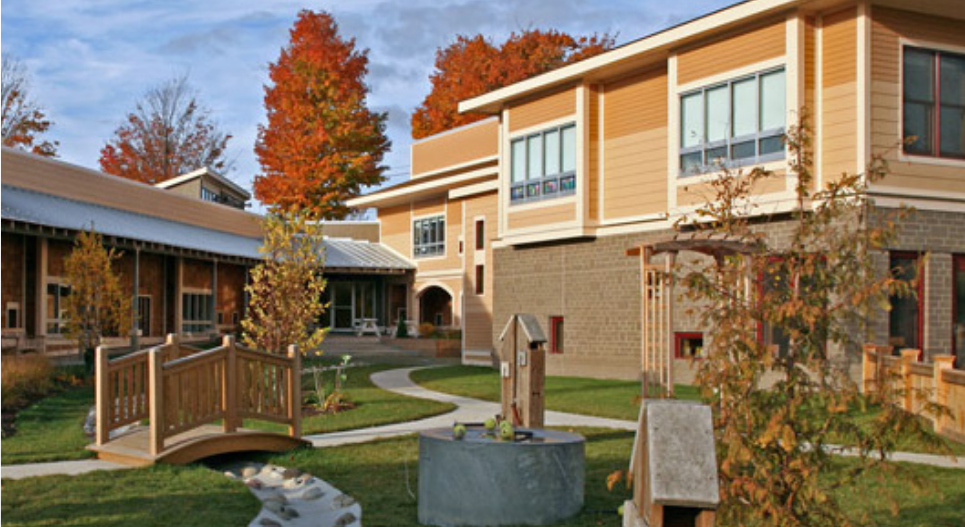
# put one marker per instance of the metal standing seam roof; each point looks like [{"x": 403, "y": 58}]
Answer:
[{"x": 28, "y": 206}]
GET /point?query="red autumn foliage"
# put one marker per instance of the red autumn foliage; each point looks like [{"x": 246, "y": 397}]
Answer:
[
  {"x": 24, "y": 121},
  {"x": 168, "y": 134},
  {"x": 322, "y": 143},
  {"x": 475, "y": 65}
]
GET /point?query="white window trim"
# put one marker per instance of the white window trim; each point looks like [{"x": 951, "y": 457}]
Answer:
[
  {"x": 912, "y": 158},
  {"x": 445, "y": 241}
]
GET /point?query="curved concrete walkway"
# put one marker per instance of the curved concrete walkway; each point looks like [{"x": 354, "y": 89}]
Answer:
[{"x": 467, "y": 410}]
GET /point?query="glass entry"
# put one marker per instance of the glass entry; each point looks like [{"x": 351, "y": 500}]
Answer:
[{"x": 350, "y": 302}]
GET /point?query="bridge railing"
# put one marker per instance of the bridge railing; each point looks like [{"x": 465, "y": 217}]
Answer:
[{"x": 180, "y": 388}]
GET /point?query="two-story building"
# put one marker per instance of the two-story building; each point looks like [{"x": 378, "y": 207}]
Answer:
[{"x": 533, "y": 209}]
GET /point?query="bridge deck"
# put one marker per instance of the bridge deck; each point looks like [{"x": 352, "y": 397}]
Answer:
[{"x": 132, "y": 448}]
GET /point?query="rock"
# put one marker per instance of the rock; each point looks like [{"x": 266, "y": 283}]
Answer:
[
  {"x": 346, "y": 519},
  {"x": 268, "y": 522},
  {"x": 342, "y": 500},
  {"x": 249, "y": 472},
  {"x": 288, "y": 513},
  {"x": 305, "y": 479},
  {"x": 313, "y": 493},
  {"x": 291, "y": 484},
  {"x": 90, "y": 423},
  {"x": 268, "y": 469},
  {"x": 277, "y": 496},
  {"x": 254, "y": 483},
  {"x": 274, "y": 506},
  {"x": 231, "y": 475},
  {"x": 290, "y": 473}
]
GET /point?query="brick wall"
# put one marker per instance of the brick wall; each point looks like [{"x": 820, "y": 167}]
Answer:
[{"x": 596, "y": 287}]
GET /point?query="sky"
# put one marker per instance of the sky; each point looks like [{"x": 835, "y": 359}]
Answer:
[{"x": 90, "y": 60}]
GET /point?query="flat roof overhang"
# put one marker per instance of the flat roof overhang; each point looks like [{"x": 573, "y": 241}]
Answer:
[{"x": 416, "y": 189}]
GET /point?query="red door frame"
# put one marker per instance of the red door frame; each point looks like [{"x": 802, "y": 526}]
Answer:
[
  {"x": 919, "y": 294},
  {"x": 958, "y": 264}
]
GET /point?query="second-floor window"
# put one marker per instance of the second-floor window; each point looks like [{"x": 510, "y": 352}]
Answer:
[
  {"x": 933, "y": 102},
  {"x": 734, "y": 123},
  {"x": 543, "y": 165},
  {"x": 209, "y": 195},
  {"x": 429, "y": 236}
]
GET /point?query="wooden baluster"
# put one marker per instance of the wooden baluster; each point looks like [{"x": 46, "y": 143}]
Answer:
[
  {"x": 158, "y": 402},
  {"x": 295, "y": 392},
  {"x": 230, "y": 386},
  {"x": 102, "y": 395}
]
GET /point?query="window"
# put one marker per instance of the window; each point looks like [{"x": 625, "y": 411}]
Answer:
[
  {"x": 556, "y": 334},
  {"x": 933, "y": 102},
  {"x": 958, "y": 310},
  {"x": 429, "y": 236},
  {"x": 196, "y": 313},
  {"x": 234, "y": 318},
  {"x": 543, "y": 165},
  {"x": 13, "y": 315},
  {"x": 144, "y": 314},
  {"x": 732, "y": 124},
  {"x": 775, "y": 283},
  {"x": 480, "y": 279},
  {"x": 56, "y": 307},
  {"x": 220, "y": 318},
  {"x": 904, "y": 319},
  {"x": 480, "y": 235},
  {"x": 209, "y": 195},
  {"x": 689, "y": 345}
]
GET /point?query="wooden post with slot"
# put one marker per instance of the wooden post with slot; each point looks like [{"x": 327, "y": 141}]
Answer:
[{"x": 523, "y": 371}]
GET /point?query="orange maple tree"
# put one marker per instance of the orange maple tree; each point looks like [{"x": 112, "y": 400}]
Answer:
[
  {"x": 168, "y": 134},
  {"x": 322, "y": 143},
  {"x": 473, "y": 65}
]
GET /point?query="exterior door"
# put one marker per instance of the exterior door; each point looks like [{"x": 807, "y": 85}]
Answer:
[{"x": 342, "y": 305}]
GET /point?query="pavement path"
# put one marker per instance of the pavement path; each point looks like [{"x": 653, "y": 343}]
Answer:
[{"x": 467, "y": 410}]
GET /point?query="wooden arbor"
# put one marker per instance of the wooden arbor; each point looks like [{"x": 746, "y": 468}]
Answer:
[
  {"x": 181, "y": 391},
  {"x": 523, "y": 371},
  {"x": 657, "y": 293},
  {"x": 673, "y": 465}
]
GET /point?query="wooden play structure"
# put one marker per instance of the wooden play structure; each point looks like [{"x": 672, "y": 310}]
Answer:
[
  {"x": 523, "y": 371},
  {"x": 182, "y": 392}
]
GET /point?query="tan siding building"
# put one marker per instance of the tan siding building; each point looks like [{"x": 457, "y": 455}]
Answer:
[{"x": 607, "y": 153}]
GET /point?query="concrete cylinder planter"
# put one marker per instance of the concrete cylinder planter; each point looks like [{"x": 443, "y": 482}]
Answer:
[{"x": 479, "y": 480}]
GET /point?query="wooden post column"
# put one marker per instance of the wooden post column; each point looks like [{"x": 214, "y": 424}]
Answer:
[
  {"x": 941, "y": 363},
  {"x": 229, "y": 388},
  {"x": 156, "y": 401},
  {"x": 908, "y": 356},
  {"x": 295, "y": 392},
  {"x": 102, "y": 397}
]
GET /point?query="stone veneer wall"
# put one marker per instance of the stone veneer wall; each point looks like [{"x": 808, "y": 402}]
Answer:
[{"x": 596, "y": 288}]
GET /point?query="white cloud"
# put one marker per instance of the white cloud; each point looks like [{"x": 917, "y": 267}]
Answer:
[{"x": 91, "y": 59}]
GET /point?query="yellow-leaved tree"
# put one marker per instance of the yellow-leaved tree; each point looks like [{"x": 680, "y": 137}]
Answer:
[
  {"x": 285, "y": 292},
  {"x": 96, "y": 306}
]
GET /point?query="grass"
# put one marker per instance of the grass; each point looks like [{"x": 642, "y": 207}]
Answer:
[
  {"x": 599, "y": 397},
  {"x": 603, "y": 398},
  {"x": 377, "y": 474},
  {"x": 155, "y": 496},
  {"x": 51, "y": 429},
  {"x": 374, "y": 406},
  {"x": 381, "y": 474}
]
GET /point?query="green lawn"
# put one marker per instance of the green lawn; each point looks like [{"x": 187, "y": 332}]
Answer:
[
  {"x": 161, "y": 495},
  {"x": 51, "y": 429},
  {"x": 376, "y": 474},
  {"x": 375, "y": 406},
  {"x": 380, "y": 475},
  {"x": 603, "y": 398}
]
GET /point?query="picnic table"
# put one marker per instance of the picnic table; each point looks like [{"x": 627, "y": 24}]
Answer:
[{"x": 367, "y": 325}]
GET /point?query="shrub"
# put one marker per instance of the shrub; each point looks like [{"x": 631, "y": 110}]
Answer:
[
  {"x": 24, "y": 379},
  {"x": 426, "y": 330},
  {"x": 401, "y": 331}
]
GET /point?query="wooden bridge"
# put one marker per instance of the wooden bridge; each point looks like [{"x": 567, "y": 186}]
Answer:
[{"x": 194, "y": 402}]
